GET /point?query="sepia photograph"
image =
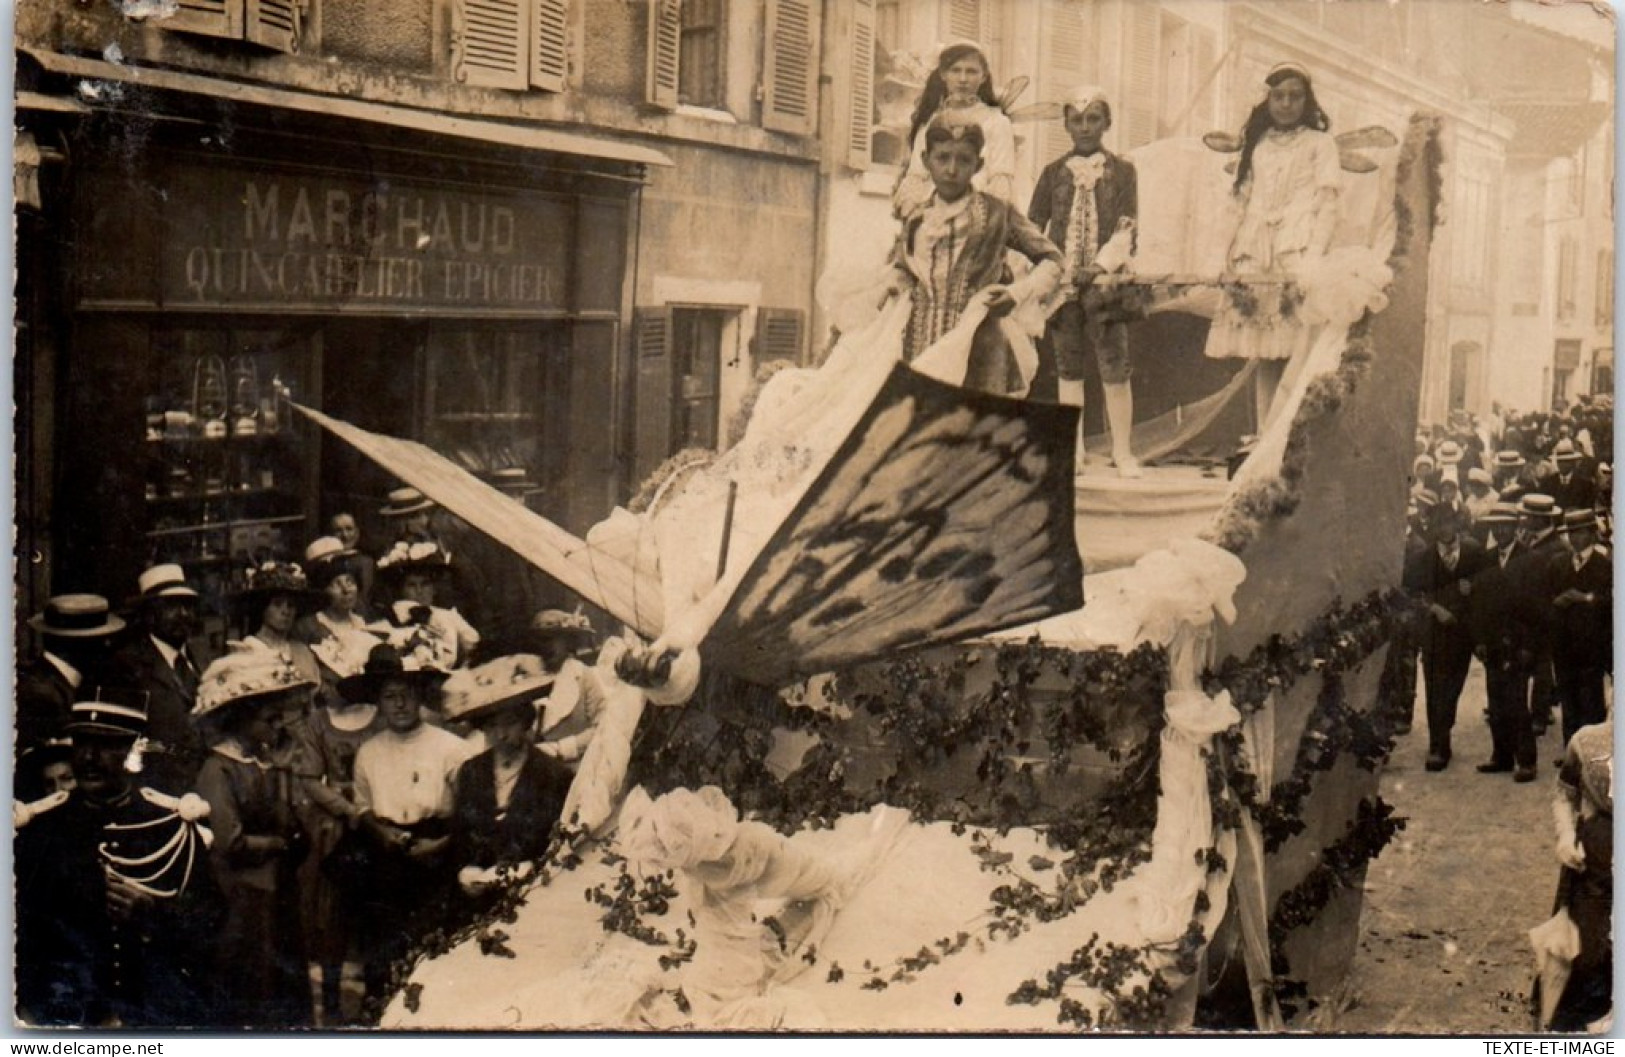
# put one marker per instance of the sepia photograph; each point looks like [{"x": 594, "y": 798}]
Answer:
[{"x": 905, "y": 517}]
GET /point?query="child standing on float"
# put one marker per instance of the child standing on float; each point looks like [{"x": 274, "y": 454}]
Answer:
[
  {"x": 951, "y": 251},
  {"x": 959, "y": 92},
  {"x": 1087, "y": 203},
  {"x": 1287, "y": 183}
]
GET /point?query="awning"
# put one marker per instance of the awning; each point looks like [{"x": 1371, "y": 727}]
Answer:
[{"x": 522, "y": 136}]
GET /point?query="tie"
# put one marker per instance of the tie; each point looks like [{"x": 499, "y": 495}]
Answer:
[{"x": 187, "y": 672}]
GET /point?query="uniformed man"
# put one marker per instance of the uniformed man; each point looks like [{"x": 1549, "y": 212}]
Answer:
[
  {"x": 1441, "y": 580},
  {"x": 1580, "y": 587},
  {"x": 1495, "y": 642},
  {"x": 114, "y": 898}
]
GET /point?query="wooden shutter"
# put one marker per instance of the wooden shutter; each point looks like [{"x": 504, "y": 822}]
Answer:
[
  {"x": 964, "y": 20},
  {"x": 1140, "y": 95},
  {"x": 651, "y": 348},
  {"x": 779, "y": 334},
  {"x": 273, "y": 23},
  {"x": 211, "y": 18},
  {"x": 549, "y": 43},
  {"x": 860, "y": 105},
  {"x": 1200, "y": 107},
  {"x": 490, "y": 43},
  {"x": 1069, "y": 62},
  {"x": 665, "y": 39},
  {"x": 790, "y": 67}
]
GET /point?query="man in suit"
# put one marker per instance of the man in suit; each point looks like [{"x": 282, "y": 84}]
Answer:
[
  {"x": 1572, "y": 486},
  {"x": 1441, "y": 580},
  {"x": 1580, "y": 592},
  {"x": 159, "y": 664},
  {"x": 74, "y": 633},
  {"x": 1495, "y": 642},
  {"x": 1537, "y": 541}
]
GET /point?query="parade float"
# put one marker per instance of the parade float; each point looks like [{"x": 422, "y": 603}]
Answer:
[{"x": 897, "y": 742}]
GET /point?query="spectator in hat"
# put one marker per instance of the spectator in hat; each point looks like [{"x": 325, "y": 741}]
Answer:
[
  {"x": 160, "y": 665},
  {"x": 1580, "y": 586},
  {"x": 1538, "y": 542},
  {"x": 403, "y": 788},
  {"x": 273, "y": 599},
  {"x": 1396, "y": 688},
  {"x": 407, "y": 512},
  {"x": 1510, "y": 479},
  {"x": 337, "y": 632},
  {"x": 437, "y": 636},
  {"x": 1480, "y": 494},
  {"x": 508, "y": 798},
  {"x": 1449, "y": 455},
  {"x": 1440, "y": 579},
  {"x": 575, "y": 703},
  {"x": 114, "y": 906},
  {"x": 343, "y": 527},
  {"x": 74, "y": 631},
  {"x": 1571, "y": 486},
  {"x": 1493, "y": 609},
  {"x": 251, "y": 700}
]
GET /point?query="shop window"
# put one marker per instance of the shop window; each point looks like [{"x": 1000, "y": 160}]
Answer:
[
  {"x": 275, "y": 24},
  {"x": 227, "y": 470},
  {"x": 513, "y": 44}
]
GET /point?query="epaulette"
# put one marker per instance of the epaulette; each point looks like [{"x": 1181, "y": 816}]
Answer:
[{"x": 22, "y": 814}]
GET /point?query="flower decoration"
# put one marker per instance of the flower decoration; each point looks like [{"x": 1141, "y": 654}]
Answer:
[
  {"x": 414, "y": 552},
  {"x": 246, "y": 672}
]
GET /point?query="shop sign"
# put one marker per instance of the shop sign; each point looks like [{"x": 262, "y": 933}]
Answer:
[{"x": 267, "y": 239}]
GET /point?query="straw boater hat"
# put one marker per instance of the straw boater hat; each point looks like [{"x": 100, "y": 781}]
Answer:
[
  {"x": 111, "y": 712},
  {"x": 1500, "y": 514},
  {"x": 1479, "y": 475},
  {"x": 1449, "y": 453},
  {"x": 1507, "y": 459},
  {"x": 271, "y": 580},
  {"x": 246, "y": 674},
  {"x": 79, "y": 616},
  {"x": 558, "y": 622},
  {"x": 385, "y": 663},
  {"x": 1580, "y": 519},
  {"x": 474, "y": 694},
  {"x": 1565, "y": 451},
  {"x": 404, "y": 501},
  {"x": 162, "y": 581},
  {"x": 1534, "y": 504},
  {"x": 326, "y": 559}
]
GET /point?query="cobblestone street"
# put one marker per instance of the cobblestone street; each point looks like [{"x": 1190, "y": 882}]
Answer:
[{"x": 1447, "y": 905}]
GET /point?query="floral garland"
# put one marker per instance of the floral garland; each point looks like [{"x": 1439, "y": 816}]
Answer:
[{"x": 1338, "y": 870}]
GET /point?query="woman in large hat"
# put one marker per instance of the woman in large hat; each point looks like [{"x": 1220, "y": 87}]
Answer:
[
  {"x": 437, "y": 636},
  {"x": 509, "y": 796},
  {"x": 273, "y": 597},
  {"x": 251, "y": 701}
]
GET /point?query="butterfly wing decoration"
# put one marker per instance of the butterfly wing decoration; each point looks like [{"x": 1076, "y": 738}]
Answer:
[
  {"x": 1223, "y": 142},
  {"x": 1012, "y": 92},
  {"x": 1352, "y": 145},
  {"x": 1036, "y": 112}
]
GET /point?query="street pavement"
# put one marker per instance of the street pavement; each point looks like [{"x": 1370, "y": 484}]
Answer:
[{"x": 1443, "y": 946}]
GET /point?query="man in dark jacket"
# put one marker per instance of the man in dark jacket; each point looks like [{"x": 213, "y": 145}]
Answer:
[
  {"x": 1572, "y": 486},
  {"x": 159, "y": 665},
  {"x": 74, "y": 634},
  {"x": 1441, "y": 580},
  {"x": 1538, "y": 541},
  {"x": 1580, "y": 592},
  {"x": 1493, "y": 610}
]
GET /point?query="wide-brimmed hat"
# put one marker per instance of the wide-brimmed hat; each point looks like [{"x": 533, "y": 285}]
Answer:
[
  {"x": 1579, "y": 519},
  {"x": 1565, "y": 451},
  {"x": 417, "y": 556},
  {"x": 1534, "y": 504},
  {"x": 162, "y": 581},
  {"x": 1500, "y": 514},
  {"x": 109, "y": 712},
  {"x": 384, "y": 663},
  {"x": 404, "y": 501},
  {"x": 1449, "y": 453},
  {"x": 558, "y": 622},
  {"x": 1508, "y": 459},
  {"x": 246, "y": 673},
  {"x": 267, "y": 581},
  {"x": 1479, "y": 475},
  {"x": 476, "y": 693},
  {"x": 76, "y": 616},
  {"x": 511, "y": 480}
]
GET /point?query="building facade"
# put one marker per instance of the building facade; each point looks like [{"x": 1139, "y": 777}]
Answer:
[{"x": 553, "y": 235}]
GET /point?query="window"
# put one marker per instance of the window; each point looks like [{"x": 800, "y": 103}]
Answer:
[
  {"x": 1605, "y": 288},
  {"x": 1070, "y": 58},
  {"x": 513, "y": 44},
  {"x": 687, "y": 59},
  {"x": 1465, "y": 360},
  {"x": 1568, "y": 266},
  {"x": 1469, "y": 265},
  {"x": 700, "y": 53},
  {"x": 1169, "y": 70},
  {"x": 275, "y": 24}
]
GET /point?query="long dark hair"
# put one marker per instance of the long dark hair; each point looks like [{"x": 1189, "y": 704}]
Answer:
[
  {"x": 1258, "y": 122},
  {"x": 936, "y": 89}
]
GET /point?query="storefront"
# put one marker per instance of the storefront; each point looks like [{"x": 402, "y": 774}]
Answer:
[{"x": 210, "y": 260}]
